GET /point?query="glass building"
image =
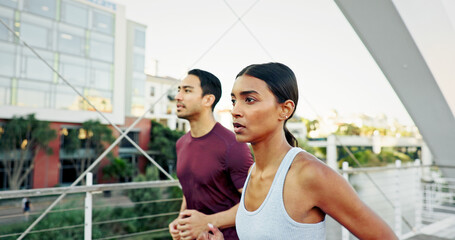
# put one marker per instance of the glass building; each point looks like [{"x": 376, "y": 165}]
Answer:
[
  {"x": 92, "y": 45},
  {"x": 88, "y": 42}
]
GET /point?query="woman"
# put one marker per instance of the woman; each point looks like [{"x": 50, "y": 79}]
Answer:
[{"x": 288, "y": 191}]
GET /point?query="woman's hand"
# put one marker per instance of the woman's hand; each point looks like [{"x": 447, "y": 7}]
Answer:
[{"x": 217, "y": 234}]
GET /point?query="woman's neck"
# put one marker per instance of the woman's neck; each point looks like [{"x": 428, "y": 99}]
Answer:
[{"x": 269, "y": 152}]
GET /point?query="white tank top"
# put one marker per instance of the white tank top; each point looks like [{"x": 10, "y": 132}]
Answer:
[{"x": 270, "y": 220}]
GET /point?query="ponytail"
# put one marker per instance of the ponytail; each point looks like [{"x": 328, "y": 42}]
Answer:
[{"x": 289, "y": 137}]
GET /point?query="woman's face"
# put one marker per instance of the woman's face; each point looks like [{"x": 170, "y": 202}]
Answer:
[{"x": 256, "y": 112}]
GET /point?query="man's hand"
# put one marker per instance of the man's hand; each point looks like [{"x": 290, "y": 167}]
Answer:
[
  {"x": 217, "y": 235},
  {"x": 175, "y": 233},
  {"x": 191, "y": 224}
]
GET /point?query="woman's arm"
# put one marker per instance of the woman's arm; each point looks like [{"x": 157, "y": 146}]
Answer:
[{"x": 335, "y": 196}]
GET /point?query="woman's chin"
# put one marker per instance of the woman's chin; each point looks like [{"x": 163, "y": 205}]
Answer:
[{"x": 241, "y": 138}]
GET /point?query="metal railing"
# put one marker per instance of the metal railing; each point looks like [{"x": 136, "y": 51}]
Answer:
[
  {"x": 113, "y": 211},
  {"x": 407, "y": 197}
]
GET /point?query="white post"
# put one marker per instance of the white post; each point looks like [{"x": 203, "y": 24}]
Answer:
[
  {"x": 332, "y": 152},
  {"x": 397, "y": 199},
  {"x": 427, "y": 159},
  {"x": 88, "y": 209},
  {"x": 376, "y": 139},
  {"x": 418, "y": 196},
  {"x": 344, "y": 231}
]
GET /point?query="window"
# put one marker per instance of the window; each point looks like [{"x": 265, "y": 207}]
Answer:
[
  {"x": 9, "y": 3},
  {"x": 71, "y": 160},
  {"x": 102, "y": 47},
  {"x": 102, "y": 100},
  {"x": 152, "y": 91},
  {"x": 137, "y": 105},
  {"x": 5, "y": 91},
  {"x": 103, "y": 22},
  {"x": 152, "y": 109},
  {"x": 6, "y": 15},
  {"x": 71, "y": 40},
  {"x": 134, "y": 135},
  {"x": 33, "y": 94},
  {"x": 67, "y": 98},
  {"x": 138, "y": 62},
  {"x": 45, "y": 8},
  {"x": 35, "y": 68},
  {"x": 139, "y": 38},
  {"x": 74, "y": 13},
  {"x": 4, "y": 183},
  {"x": 73, "y": 69},
  {"x": 36, "y": 31},
  {"x": 68, "y": 173},
  {"x": 7, "y": 60},
  {"x": 101, "y": 76},
  {"x": 138, "y": 85},
  {"x": 5, "y": 34}
]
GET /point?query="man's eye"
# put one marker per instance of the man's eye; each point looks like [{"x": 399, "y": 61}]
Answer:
[{"x": 233, "y": 101}]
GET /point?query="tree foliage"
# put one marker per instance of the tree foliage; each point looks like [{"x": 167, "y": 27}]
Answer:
[
  {"x": 20, "y": 141},
  {"x": 348, "y": 129},
  {"x": 163, "y": 139},
  {"x": 367, "y": 158},
  {"x": 118, "y": 169},
  {"x": 151, "y": 208},
  {"x": 83, "y": 145}
]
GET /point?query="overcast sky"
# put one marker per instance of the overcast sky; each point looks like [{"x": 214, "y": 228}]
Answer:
[{"x": 333, "y": 68}]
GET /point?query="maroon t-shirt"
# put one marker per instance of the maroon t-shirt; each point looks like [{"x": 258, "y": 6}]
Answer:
[{"x": 211, "y": 169}]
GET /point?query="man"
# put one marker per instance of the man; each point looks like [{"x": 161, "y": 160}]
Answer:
[{"x": 211, "y": 165}]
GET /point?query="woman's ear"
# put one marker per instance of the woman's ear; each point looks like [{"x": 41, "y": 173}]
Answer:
[{"x": 287, "y": 108}]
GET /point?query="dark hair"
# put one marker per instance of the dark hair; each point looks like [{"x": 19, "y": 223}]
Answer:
[
  {"x": 282, "y": 82},
  {"x": 210, "y": 84}
]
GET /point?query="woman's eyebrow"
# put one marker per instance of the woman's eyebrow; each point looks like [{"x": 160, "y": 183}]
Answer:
[{"x": 242, "y": 93}]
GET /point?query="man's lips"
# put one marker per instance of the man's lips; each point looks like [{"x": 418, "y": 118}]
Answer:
[{"x": 180, "y": 106}]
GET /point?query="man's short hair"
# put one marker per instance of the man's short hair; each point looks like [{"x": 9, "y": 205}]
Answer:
[{"x": 210, "y": 84}]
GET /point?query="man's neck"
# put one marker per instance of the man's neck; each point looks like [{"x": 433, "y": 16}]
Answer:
[{"x": 202, "y": 125}]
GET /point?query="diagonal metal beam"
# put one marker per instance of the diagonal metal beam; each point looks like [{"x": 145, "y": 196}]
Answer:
[
  {"x": 248, "y": 29},
  {"x": 223, "y": 34},
  {"x": 385, "y": 35}
]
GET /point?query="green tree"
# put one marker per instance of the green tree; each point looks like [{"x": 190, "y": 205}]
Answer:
[
  {"x": 163, "y": 139},
  {"x": 20, "y": 141},
  {"x": 319, "y": 152},
  {"x": 118, "y": 169},
  {"x": 349, "y": 129},
  {"x": 366, "y": 158},
  {"x": 311, "y": 125},
  {"x": 390, "y": 155},
  {"x": 83, "y": 145},
  {"x": 150, "y": 206}
]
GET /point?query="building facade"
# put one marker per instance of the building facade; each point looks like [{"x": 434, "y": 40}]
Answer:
[
  {"x": 160, "y": 97},
  {"x": 88, "y": 43}
]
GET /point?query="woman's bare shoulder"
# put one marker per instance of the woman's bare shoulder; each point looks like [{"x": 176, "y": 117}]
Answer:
[{"x": 309, "y": 169}]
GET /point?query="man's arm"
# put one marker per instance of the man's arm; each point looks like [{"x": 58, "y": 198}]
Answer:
[
  {"x": 183, "y": 206},
  {"x": 192, "y": 223}
]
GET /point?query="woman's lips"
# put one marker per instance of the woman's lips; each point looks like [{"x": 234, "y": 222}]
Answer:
[{"x": 238, "y": 128}]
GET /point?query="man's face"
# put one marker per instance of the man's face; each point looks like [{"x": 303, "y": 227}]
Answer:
[{"x": 189, "y": 97}]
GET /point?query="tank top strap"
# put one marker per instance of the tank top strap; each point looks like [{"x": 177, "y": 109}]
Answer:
[{"x": 284, "y": 167}]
